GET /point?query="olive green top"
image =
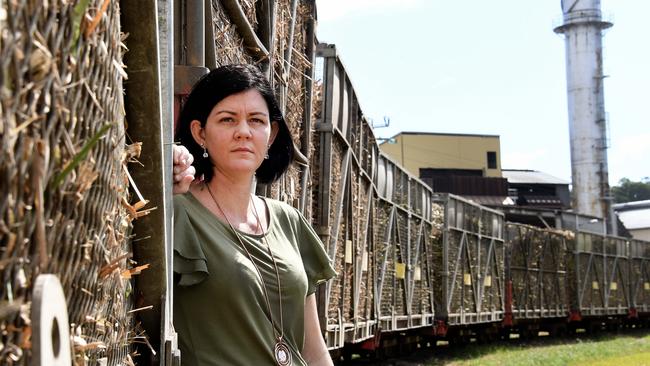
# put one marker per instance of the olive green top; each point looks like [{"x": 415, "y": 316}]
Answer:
[{"x": 220, "y": 312}]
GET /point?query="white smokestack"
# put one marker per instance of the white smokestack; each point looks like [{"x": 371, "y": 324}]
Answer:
[{"x": 582, "y": 28}]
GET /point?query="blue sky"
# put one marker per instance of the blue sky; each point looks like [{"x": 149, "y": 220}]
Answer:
[{"x": 492, "y": 67}]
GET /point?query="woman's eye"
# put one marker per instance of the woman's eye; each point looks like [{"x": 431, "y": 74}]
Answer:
[
  {"x": 257, "y": 120},
  {"x": 226, "y": 119}
]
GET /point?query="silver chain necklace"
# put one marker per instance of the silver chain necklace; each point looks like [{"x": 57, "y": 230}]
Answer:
[{"x": 281, "y": 350}]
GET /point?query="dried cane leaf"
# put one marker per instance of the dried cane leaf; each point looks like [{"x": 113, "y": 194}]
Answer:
[{"x": 81, "y": 155}]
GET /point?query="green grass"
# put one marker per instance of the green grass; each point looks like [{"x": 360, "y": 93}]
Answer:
[{"x": 604, "y": 350}]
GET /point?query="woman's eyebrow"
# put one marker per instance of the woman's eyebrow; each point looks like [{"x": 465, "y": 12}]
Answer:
[
  {"x": 235, "y": 113},
  {"x": 225, "y": 111}
]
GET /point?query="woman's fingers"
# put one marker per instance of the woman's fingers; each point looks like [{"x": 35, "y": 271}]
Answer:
[
  {"x": 182, "y": 159},
  {"x": 183, "y": 181},
  {"x": 181, "y": 154},
  {"x": 183, "y": 170},
  {"x": 189, "y": 172},
  {"x": 177, "y": 150}
]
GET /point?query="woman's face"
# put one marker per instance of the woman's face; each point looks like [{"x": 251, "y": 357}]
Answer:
[{"x": 237, "y": 133}]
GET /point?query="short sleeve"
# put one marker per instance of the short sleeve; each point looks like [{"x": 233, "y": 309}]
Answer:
[
  {"x": 189, "y": 261},
  {"x": 317, "y": 263}
]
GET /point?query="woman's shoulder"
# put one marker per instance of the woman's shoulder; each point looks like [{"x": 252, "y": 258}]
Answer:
[
  {"x": 277, "y": 205},
  {"x": 182, "y": 201},
  {"x": 282, "y": 210},
  {"x": 186, "y": 204}
]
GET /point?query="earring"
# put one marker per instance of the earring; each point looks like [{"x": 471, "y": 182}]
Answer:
[
  {"x": 205, "y": 151},
  {"x": 267, "y": 152}
]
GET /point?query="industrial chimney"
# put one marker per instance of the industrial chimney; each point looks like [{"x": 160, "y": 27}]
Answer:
[{"x": 582, "y": 27}]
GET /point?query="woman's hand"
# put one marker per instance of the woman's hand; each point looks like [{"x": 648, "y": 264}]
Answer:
[{"x": 183, "y": 169}]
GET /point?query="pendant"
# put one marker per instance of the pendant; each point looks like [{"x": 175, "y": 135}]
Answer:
[{"x": 282, "y": 353}]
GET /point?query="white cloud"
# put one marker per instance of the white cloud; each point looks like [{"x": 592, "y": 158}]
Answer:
[
  {"x": 335, "y": 9},
  {"x": 629, "y": 157},
  {"x": 443, "y": 83},
  {"x": 523, "y": 159}
]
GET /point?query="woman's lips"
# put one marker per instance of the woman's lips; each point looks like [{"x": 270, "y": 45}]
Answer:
[{"x": 243, "y": 149}]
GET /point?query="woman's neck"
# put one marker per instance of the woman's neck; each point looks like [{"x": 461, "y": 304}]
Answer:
[
  {"x": 230, "y": 199},
  {"x": 233, "y": 195}
]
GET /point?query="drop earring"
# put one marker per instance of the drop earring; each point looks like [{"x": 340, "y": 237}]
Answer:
[
  {"x": 205, "y": 151},
  {"x": 267, "y": 152}
]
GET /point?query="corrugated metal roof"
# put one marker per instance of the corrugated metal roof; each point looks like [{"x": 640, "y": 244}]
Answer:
[
  {"x": 491, "y": 200},
  {"x": 444, "y": 134},
  {"x": 541, "y": 200},
  {"x": 530, "y": 177},
  {"x": 634, "y": 205},
  {"x": 421, "y": 133},
  {"x": 635, "y": 219}
]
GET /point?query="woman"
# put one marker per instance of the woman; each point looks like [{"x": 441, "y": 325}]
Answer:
[{"x": 246, "y": 267}]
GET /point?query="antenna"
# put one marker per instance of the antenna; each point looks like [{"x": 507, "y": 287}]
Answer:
[{"x": 385, "y": 123}]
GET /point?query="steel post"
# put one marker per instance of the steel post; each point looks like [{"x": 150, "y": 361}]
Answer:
[{"x": 144, "y": 111}]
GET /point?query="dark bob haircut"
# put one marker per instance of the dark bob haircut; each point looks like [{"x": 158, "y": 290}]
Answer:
[{"x": 213, "y": 88}]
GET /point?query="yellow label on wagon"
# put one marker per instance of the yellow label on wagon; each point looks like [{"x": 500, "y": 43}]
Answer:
[
  {"x": 400, "y": 270},
  {"x": 646, "y": 286},
  {"x": 488, "y": 281},
  {"x": 594, "y": 285},
  {"x": 348, "y": 251},
  {"x": 613, "y": 286},
  {"x": 417, "y": 273},
  {"x": 467, "y": 279}
]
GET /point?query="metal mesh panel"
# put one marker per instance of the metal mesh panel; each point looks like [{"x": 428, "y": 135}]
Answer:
[
  {"x": 470, "y": 263},
  {"x": 401, "y": 248},
  {"x": 362, "y": 247},
  {"x": 597, "y": 275},
  {"x": 62, "y": 173},
  {"x": 336, "y": 294},
  {"x": 385, "y": 257},
  {"x": 640, "y": 275},
  {"x": 538, "y": 271},
  {"x": 228, "y": 43},
  {"x": 617, "y": 265}
]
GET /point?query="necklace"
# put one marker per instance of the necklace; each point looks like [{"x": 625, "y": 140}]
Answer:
[{"x": 280, "y": 349}]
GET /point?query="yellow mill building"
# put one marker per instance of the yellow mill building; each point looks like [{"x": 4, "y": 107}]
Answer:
[{"x": 466, "y": 154}]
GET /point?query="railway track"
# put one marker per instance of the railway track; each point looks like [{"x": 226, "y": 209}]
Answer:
[{"x": 427, "y": 354}]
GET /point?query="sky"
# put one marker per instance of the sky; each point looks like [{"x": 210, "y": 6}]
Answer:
[{"x": 495, "y": 68}]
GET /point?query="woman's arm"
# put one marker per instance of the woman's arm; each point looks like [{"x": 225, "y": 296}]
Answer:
[{"x": 314, "y": 351}]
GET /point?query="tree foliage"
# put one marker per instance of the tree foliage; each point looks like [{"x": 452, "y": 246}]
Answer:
[{"x": 628, "y": 191}]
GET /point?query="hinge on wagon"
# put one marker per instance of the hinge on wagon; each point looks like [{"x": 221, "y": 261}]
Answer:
[
  {"x": 324, "y": 127},
  {"x": 172, "y": 352}
]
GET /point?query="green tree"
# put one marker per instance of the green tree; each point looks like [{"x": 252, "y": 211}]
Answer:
[{"x": 627, "y": 190}]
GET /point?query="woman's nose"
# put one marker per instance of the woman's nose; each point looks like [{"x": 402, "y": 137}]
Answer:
[{"x": 243, "y": 130}]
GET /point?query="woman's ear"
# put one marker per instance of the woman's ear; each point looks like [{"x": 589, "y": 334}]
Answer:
[
  {"x": 275, "y": 127},
  {"x": 197, "y": 132}
]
